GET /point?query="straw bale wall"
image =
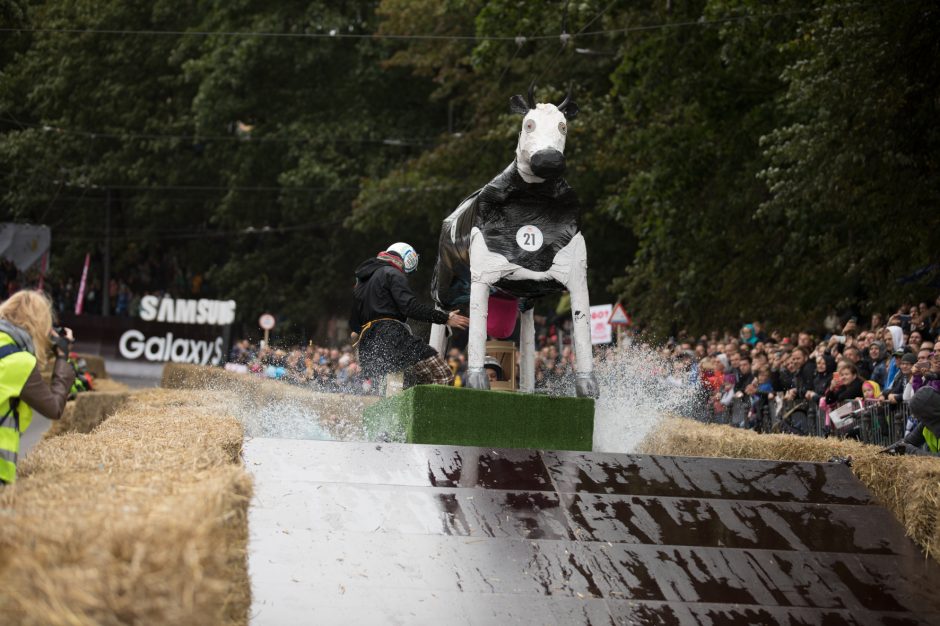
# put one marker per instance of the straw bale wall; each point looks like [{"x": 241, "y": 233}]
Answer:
[
  {"x": 909, "y": 486},
  {"x": 86, "y": 411},
  {"x": 339, "y": 414},
  {"x": 142, "y": 520}
]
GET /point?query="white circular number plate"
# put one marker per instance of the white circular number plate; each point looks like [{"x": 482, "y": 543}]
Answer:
[{"x": 529, "y": 238}]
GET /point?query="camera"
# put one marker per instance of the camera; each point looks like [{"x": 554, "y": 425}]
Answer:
[{"x": 59, "y": 339}]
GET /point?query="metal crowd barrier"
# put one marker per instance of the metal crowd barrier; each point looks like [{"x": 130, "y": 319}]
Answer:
[{"x": 878, "y": 423}]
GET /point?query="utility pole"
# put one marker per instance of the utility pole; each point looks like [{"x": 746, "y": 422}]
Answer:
[{"x": 106, "y": 287}]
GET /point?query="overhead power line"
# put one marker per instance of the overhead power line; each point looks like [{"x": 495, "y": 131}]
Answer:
[
  {"x": 259, "y": 189},
  {"x": 110, "y": 134},
  {"x": 199, "y": 234}
]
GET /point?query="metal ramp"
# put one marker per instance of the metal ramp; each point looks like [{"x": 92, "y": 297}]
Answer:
[{"x": 366, "y": 533}]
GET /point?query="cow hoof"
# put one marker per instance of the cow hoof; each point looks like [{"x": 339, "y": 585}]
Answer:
[
  {"x": 476, "y": 379},
  {"x": 585, "y": 386}
]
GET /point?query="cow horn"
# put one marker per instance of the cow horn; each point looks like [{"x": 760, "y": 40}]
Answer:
[
  {"x": 564, "y": 103},
  {"x": 531, "y": 95}
]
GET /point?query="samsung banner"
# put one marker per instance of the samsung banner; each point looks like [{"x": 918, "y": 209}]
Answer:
[{"x": 168, "y": 330}]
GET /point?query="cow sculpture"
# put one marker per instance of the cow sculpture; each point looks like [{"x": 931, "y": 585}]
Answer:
[{"x": 518, "y": 239}]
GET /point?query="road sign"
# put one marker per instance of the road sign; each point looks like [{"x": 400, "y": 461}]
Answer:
[
  {"x": 619, "y": 316},
  {"x": 600, "y": 329},
  {"x": 266, "y": 321}
]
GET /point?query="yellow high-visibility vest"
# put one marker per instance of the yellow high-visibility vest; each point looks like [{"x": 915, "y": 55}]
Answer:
[
  {"x": 15, "y": 416},
  {"x": 933, "y": 442}
]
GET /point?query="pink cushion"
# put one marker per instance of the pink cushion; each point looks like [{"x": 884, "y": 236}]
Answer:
[{"x": 501, "y": 321}]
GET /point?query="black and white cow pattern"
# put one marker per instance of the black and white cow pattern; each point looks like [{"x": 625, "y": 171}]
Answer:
[{"x": 520, "y": 235}]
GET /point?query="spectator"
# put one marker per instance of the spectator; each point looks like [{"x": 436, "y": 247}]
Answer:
[
  {"x": 794, "y": 379},
  {"x": 822, "y": 378},
  {"x": 899, "y": 386},
  {"x": 864, "y": 368},
  {"x": 923, "y": 376},
  {"x": 747, "y": 334},
  {"x": 876, "y": 355},
  {"x": 871, "y": 392},
  {"x": 844, "y": 387},
  {"x": 743, "y": 374},
  {"x": 924, "y": 438}
]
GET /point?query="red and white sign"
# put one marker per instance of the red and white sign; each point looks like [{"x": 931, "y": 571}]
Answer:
[
  {"x": 600, "y": 328},
  {"x": 619, "y": 316},
  {"x": 266, "y": 321}
]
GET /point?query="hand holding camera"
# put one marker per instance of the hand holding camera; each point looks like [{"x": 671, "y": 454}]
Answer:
[{"x": 62, "y": 340}]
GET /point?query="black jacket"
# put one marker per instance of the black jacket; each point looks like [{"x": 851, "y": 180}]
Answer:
[
  {"x": 382, "y": 290},
  {"x": 801, "y": 380},
  {"x": 844, "y": 393}
]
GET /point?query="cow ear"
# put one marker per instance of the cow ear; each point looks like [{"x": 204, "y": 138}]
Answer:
[
  {"x": 571, "y": 110},
  {"x": 518, "y": 105}
]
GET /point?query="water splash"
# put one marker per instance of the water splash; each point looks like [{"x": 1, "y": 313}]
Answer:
[
  {"x": 282, "y": 419},
  {"x": 274, "y": 409},
  {"x": 639, "y": 387}
]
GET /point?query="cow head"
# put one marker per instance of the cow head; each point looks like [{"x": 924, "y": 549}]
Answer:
[{"x": 540, "y": 153}]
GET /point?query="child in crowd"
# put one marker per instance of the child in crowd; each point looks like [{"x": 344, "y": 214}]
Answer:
[{"x": 871, "y": 392}]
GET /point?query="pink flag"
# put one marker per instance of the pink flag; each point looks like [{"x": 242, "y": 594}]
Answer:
[{"x": 81, "y": 286}]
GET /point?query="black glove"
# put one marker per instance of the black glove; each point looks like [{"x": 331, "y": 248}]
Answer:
[
  {"x": 911, "y": 449},
  {"x": 903, "y": 448},
  {"x": 61, "y": 345},
  {"x": 894, "y": 448}
]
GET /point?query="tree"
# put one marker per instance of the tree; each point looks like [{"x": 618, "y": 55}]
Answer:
[{"x": 853, "y": 173}]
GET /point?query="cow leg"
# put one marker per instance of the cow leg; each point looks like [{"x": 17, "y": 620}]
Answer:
[
  {"x": 585, "y": 382},
  {"x": 527, "y": 349},
  {"x": 476, "y": 344}
]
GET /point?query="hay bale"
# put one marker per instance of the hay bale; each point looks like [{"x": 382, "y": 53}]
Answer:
[
  {"x": 138, "y": 439},
  {"x": 109, "y": 384},
  {"x": 908, "y": 486},
  {"x": 95, "y": 365},
  {"x": 86, "y": 411},
  {"x": 143, "y": 520},
  {"x": 110, "y": 548}
]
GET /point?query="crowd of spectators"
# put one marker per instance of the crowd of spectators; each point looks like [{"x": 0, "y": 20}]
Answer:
[
  {"x": 137, "y": 277},
  {"x": 11, "y": 278},
  {"x": 758, "y": 379},
  {"x": 326, "y": 369},
  {"x": 142, "y": 277}
]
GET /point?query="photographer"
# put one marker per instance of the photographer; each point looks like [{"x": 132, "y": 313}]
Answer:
[
  {"x": 26, "y": 339},
  {"x": 924, "y": 439}
]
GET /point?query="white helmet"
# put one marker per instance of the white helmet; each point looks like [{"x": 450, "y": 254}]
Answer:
[{"x": 407, "y": 254}]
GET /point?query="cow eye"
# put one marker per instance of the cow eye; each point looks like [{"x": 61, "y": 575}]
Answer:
[
  {"x": 563, "y": 128},
  {"x": 529, "y": 125}
]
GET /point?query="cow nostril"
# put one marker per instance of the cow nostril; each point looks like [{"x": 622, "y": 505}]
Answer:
[{"x": 547, "y": 163}]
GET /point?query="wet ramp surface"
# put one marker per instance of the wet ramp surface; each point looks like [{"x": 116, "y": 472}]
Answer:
[{"x": 371, "y": 533}]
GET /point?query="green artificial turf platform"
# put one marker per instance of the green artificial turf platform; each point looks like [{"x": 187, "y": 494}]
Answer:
[{"x": 470, "y": 417}]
